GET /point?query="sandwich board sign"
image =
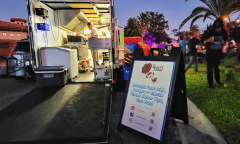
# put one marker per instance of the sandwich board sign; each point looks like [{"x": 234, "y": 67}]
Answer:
[{"x": 151, "y": 89}]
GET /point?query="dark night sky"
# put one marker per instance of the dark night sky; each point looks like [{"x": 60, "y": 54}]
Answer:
[{"x": 175, "y": 11}]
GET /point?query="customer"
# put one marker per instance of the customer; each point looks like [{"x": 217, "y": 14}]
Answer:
[
  {"x": 183, "y": 44},
  {"x": 229, "y": 62},
  {"x": 214, "y": 43},
  {"x": 230, "y": 39},
  {"x": 192, "y": 45},
  {"x": 145, "y": 48},
  {"x": 162, "y": 44},
  {"x": 168, "y": 47}
]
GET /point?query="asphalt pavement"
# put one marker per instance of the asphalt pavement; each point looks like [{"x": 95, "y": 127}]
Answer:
[{"x": 199, "y": 130}]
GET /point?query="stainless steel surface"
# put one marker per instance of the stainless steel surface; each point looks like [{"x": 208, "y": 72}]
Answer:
[
  {"x": 73, "y": 19},
  {"x": 55, "y": 48}
]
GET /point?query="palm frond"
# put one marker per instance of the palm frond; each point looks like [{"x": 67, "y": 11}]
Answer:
[
  {"x": 203, "y": 9},
  {"x": 196, "y": 18},
  {"x": 207, "y": 15},
  {"x": 223, "y": 4},
  {"x": 206, "y": 2},
  {"x": 195, "y": 12},
  {"x": 214, "y": 6},
  {"x": 232, "y": 8}
]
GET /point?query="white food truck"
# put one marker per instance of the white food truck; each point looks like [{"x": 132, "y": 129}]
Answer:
[
  {"x": 62, "y": 52},
  {"x": 59, "y": 36}
]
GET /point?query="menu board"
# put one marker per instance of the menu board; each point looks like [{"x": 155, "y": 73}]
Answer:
[{"x": 147, "y": 98}]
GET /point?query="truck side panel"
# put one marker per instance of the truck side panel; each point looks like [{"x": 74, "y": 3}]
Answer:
[{"x": 54, "y": 37}]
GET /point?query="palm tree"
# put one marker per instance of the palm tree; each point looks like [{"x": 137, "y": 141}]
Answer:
[
  {"x": 214, "y": 9},
  {"x": 174, "y": 32},
  {"x": 133, "y": 28}
]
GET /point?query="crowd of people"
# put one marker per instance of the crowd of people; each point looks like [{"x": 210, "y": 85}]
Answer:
[{"x": 214, "y": 42}]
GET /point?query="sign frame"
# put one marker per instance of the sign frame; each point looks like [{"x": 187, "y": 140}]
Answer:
[{"x": 178, "y": 71}]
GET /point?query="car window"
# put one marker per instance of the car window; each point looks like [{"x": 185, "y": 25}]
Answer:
[{"x": 22, "y": 46}]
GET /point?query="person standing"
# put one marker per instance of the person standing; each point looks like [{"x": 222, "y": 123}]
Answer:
[
  {"x": 93, "y": 34},
  {"x": 162, "y": 44},
  {"x": 183, "y": 44},
  {"x": 214, "y": 43},
  {"x": 168, "y": 47},
  {"x": 192, "y": 46},
  {"x": 94, "y": 31},
  {"x": 230, "y": 62},
  {"x": 146, "y": 48},
  {"x": 230, "y": 39}
]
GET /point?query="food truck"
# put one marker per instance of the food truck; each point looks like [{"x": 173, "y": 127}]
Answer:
[
  {"x": 75, "y": 73},
  {"x": 59, "y": 36}
]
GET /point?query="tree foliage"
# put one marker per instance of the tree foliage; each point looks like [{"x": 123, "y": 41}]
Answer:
[
  {"x": 214, "y": 9},
  {"x": 174, "y": 32},
  {"x": 152, "y": 24},
  {"x": 156, "y": 27},
  {"x": 185, "y": 34},
  {"x": 194, "y": 28},
  {"x": 133, "y": 28},
  {"x": 144, "y": 21}
]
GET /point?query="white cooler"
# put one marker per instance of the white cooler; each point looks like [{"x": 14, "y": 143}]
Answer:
[{"x": 56, "y": 56}]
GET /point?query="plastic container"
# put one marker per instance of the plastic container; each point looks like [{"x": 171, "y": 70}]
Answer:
[{"x": 51, "y": 76}]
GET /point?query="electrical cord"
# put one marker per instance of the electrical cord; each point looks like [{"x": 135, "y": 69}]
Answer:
[
  {"x": 55, "y": 25},
  {"x": 44, "y": 36}
]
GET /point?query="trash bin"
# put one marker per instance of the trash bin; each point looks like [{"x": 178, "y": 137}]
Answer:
[{"x": 51, "y": 76}]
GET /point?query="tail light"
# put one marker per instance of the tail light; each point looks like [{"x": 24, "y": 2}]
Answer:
[
  {"x": 12, "y": 52},
  {"x": 114, "y": 81}
]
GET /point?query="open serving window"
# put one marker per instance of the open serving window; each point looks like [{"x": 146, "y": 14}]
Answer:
[{"x": 60, "y": 37}]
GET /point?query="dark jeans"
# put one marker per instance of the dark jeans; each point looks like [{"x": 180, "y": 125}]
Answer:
[
  {"x": 213, "y": 63},
  {"x": 193, "y": 60},
  {"x": 184, "y": 58}
]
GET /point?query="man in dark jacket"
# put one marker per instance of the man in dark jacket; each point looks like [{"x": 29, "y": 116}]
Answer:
[
  {"x": 192, "y": 45},
  {"x": 214, "y": 43}
]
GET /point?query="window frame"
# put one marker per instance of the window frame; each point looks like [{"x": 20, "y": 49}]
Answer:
[{"x": 11, "y": 34}]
